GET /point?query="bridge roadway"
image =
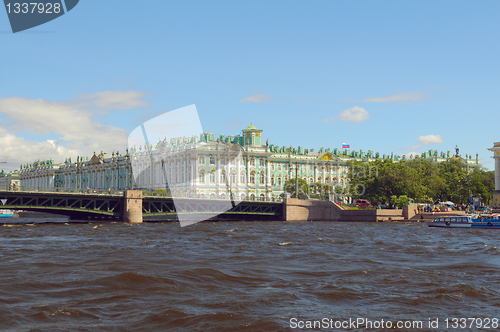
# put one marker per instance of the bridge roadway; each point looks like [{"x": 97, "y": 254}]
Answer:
[{"x": 131, "y": 206}]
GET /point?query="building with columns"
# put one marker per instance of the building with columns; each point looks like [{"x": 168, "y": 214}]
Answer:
[
  {"x": 496, "y": 156},
  {"x": 242, "y": 166},
  {"x": 100, "y": 171}
]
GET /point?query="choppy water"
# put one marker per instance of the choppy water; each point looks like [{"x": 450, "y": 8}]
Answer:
[{"x": 242, "y": 276}]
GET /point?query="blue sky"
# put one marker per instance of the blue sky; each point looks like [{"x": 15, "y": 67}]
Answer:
[{"x": 388, "y": 76}]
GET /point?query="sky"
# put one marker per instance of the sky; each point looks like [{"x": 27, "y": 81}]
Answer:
[{"x": 396, "y": 77}]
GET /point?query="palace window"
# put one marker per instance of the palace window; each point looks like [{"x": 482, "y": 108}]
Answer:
[
  {"x": 223, "y": 161},
  {"x": 212, "y": 177},
  {"x": 212, "y": 160},
  {"x": 262, "y": 197},
  {"x": 243, "y": 178},
  {"x": 261, "y": 179},
  {"x": 272, "y": 180},
  {"x": 279, "y": 167},
  {"x": 232, "y": 162},
  {"x": 311, "y": 180},
  {"x": 233, "y": 178},
  {"x": 261, "y": 162},
  {"x": 252, "y": 161},
  {"x": 202, "y": 160},
  {"x": 223, "y": 177},
  {"x": 311, "y": 168},
  {"x": 252, "y": 178},
  {"x": 272, "y": 167},
  {"x": 279, "y": 181}
]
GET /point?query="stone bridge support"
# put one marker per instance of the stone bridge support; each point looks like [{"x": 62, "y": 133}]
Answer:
[{"x": 132, "y": 206}]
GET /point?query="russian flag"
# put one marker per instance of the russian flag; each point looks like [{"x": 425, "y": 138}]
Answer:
[{"x": 345, "y": 145}]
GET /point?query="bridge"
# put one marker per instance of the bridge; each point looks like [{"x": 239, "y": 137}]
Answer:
[{"x": 132, "y": 206}]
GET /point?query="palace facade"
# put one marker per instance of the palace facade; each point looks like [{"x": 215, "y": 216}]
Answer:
[{"x": 242, "y": 166}]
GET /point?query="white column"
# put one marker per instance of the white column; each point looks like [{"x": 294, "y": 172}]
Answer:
[
  {"x": 268, "y": 172},
  {"x": 497, "y": 173}
]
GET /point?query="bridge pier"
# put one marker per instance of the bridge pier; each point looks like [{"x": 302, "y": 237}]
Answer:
[{"x": 132, "y": 206}]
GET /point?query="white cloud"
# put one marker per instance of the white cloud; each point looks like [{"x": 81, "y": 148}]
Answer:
[
  {"x": 328, "y": 120},
  {"x": 122, "y": 100},
  {"x": 430, "y": 139},
  {"x": 413, "y": 147},
  {"x": 73, "y": 124},
  {"x": 402, "y": 97},
  {"x": 257, "y": 98},
  {"x": 354, "y": 114}
]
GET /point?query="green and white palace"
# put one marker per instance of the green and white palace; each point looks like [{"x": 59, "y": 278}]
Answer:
[{"x": 244, "y": 166}]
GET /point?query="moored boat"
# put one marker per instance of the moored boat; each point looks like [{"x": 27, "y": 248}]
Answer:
[
  {"x": 6, "y": 214},
  {"x": 491, "y": 221}
]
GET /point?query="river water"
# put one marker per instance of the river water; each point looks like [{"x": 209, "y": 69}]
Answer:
[{"x": 245, "y": 276}]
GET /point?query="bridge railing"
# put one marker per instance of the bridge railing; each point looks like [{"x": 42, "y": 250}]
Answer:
[
  {"x": 64, "y": 190},
  {"x": 203, "y": 197}
]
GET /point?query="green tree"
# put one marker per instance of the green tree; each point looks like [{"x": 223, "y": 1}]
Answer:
[
  {"x": 322, "y": 190},
  {"x": 290, "y": 187}
]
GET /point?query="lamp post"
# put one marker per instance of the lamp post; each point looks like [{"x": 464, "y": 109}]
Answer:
[{"x": 297, "y": 179}]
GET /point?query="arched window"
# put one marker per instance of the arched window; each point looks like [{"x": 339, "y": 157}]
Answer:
[
  {"x": 222, "y": 196},
  {"x": 272, "y": 166},
  {"x": 262, "y": 162},
  {"x": 279, "y": 181},
  {"x": 202, "y": 160},
  {"x": 262, "y": 197},
  {"x": 252, "y": 197},
  {"x": 252, "y": 161},
  {"x": 252, "y": 178},
  {"x": 272, "y": 180},
  {"x": 243, "y": 197},
  {"x": 279, "y": 167},
  {"x": 311, "y": 180},
  {"x": 223, "y": 161},
  {"x": 243, "y": 178},
  {"x": 212, "y": 177},
  {"x": 201, "y": 177},
  {"x": 212, "y": 160},
  {"x": 262, "y": 179},
  {"x": 223, "y": 177},
  {"x": 233, "y": 178}
]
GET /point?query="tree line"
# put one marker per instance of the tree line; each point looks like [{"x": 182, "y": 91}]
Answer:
[{"x": 419, "y": 179}]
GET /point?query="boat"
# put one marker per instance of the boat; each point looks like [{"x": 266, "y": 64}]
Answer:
[
  {"x": 490, "y": 221},
  {"x": 6, "y": 214}
]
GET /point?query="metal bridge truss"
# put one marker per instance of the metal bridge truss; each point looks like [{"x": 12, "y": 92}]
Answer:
[
  {"x": 152, "y": 206},
  {"x": 67, "y": 204}
]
